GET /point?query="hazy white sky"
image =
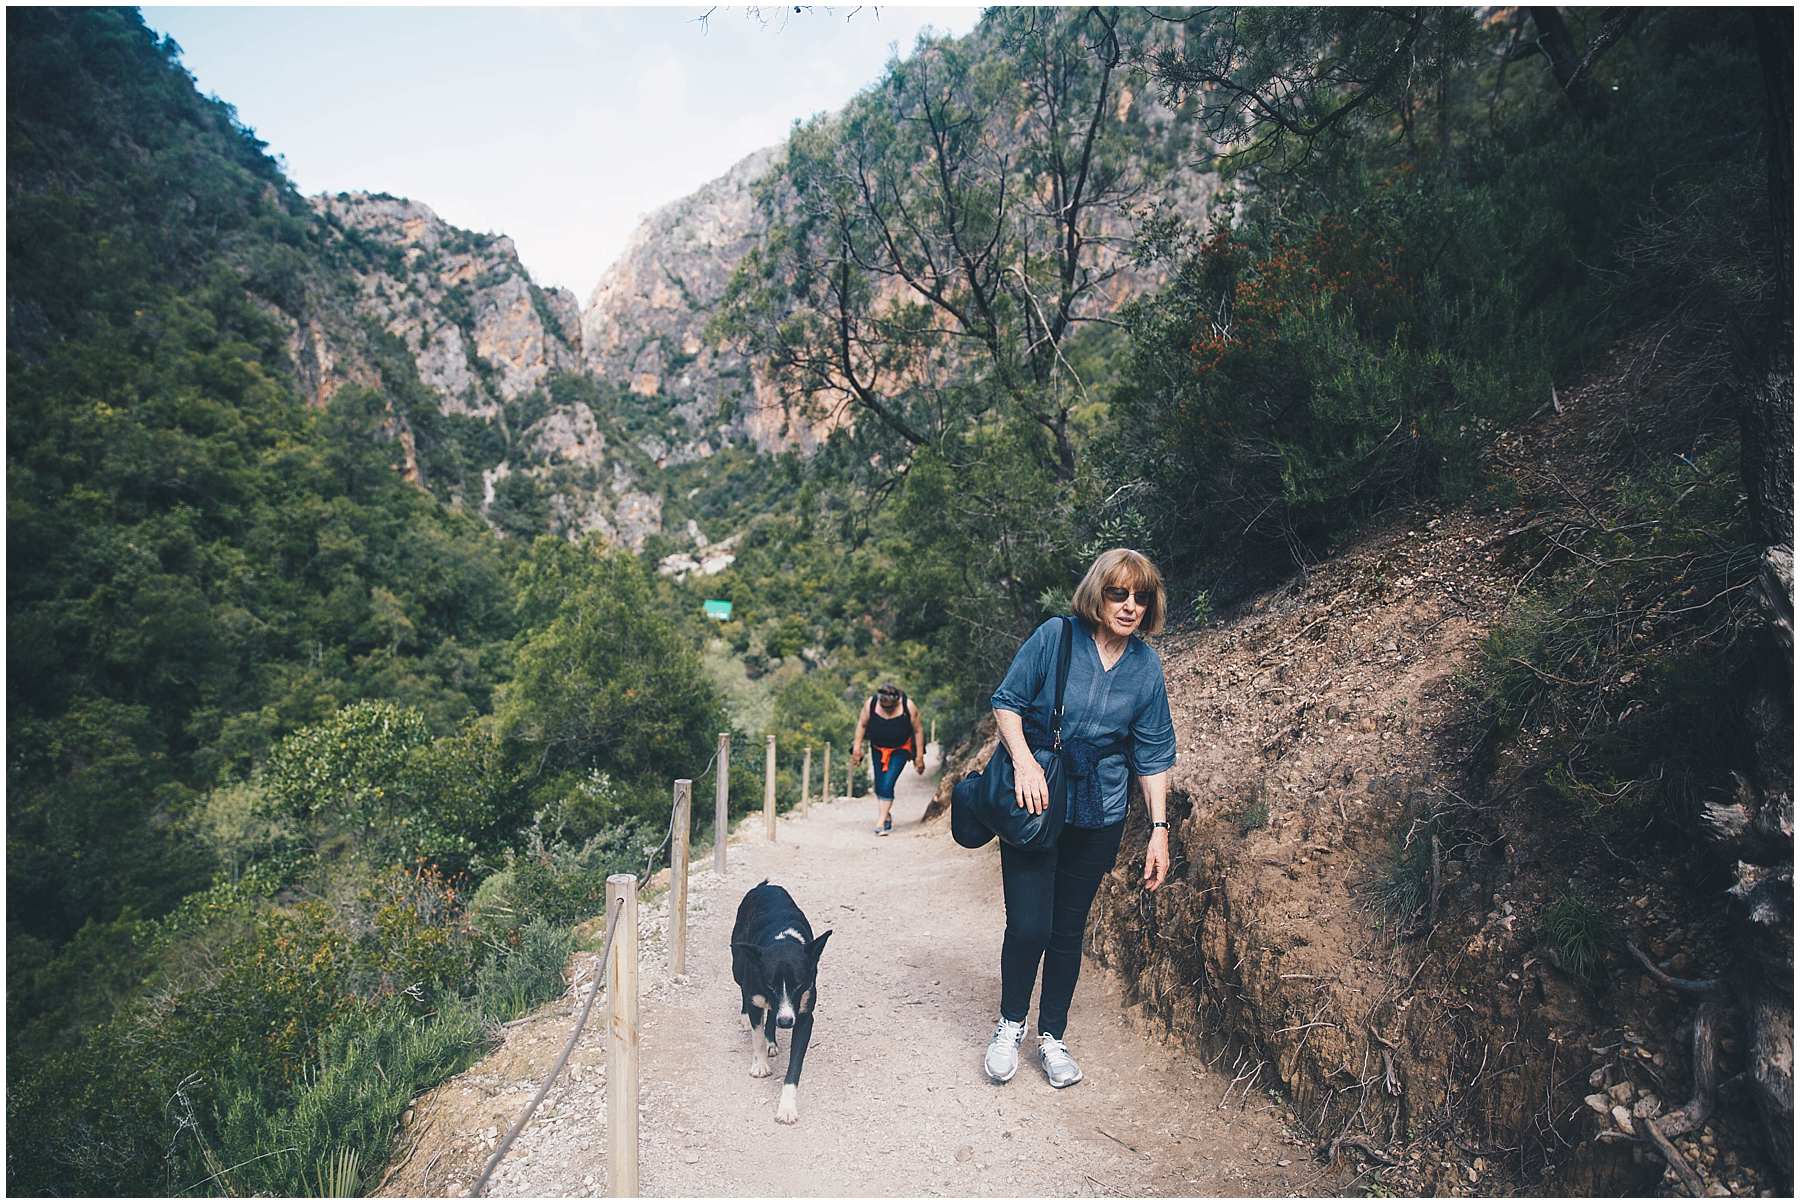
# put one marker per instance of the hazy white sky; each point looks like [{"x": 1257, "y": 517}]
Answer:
[{"x": 561, "y": 127}]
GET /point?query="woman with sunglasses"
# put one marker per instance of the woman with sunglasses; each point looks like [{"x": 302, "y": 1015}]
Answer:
[{"x": 1116, "y": 727}]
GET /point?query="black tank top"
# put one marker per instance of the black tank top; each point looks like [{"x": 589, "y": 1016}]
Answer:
[{"x": 889, "y": 733}]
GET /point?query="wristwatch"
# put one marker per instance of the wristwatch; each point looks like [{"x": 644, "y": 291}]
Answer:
[{"x": 1158, "y": 823}]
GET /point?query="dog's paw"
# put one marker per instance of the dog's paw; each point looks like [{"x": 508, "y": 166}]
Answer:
[
  {"x": 788, "y": 1110},
  {"x": 743, "y": 1022},
  {"x": 759, "y": 1068},
  {"x": 774, "y": 1049}
]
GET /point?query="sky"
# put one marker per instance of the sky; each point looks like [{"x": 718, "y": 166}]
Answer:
[{"x": 561, "y": 127}]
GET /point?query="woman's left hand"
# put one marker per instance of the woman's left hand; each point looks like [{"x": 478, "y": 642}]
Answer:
[{"x": 1156, "y": 859}]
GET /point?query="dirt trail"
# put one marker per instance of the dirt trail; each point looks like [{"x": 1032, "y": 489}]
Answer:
[{"x": 893, "y": 1101}]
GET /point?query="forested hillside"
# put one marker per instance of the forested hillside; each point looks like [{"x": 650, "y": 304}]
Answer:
[
  {"x": 274, "y": 709},
  {"x": 341, "y": 669}
]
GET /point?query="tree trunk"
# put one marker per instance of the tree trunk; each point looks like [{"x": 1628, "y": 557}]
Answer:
[
  {"x": 1559, "y": 47},
  {"x": 1772, "y": 1072}
]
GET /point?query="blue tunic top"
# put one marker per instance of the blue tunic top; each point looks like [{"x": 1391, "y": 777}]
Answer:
[{"x": 1127, "y": 702}]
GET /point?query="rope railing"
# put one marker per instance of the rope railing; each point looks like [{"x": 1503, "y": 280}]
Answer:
[
  {"x": 621, "y": 972},
  {"x": 518, "y": 1126}
]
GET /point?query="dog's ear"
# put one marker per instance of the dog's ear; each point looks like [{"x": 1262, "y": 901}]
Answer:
[
  {"x": 748, "y": 949},
  {"x": 817, "y": 946}
]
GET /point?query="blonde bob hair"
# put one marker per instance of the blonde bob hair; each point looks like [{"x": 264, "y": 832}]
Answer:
[{"x": 1133, "y": 570}]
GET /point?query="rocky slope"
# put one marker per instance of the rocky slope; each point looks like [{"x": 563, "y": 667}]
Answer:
[
  {"x": 489, "y": 348},
  {"x": 644, "y": 327},
  {"x": 480, "y": 332}
]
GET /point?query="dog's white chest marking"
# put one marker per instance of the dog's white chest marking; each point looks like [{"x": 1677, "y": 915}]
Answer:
[{"x": 791, "y": 934}]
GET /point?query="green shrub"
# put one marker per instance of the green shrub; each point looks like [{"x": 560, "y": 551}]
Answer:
[
  {"x": 1252, "y": 815},
  {"x": 516, "y": 978},
  {"x": 596, "y": 803},
  {"x": 1201, "y": 608},
  {"x": 339, "y": 1119},
  {"x": 560, "y": 883},
  {"x": 1626, "y": 657},
  {"x": 347, "y": 774},
  {"x": 606, "y": 677},
  {"x": 1579, "y": 934},
  {"x": 272, "y": 980},
  {"x": 260, "y": 1028},
  {"x": 373, "y": 772},
  {"x": 1402, "y": 888}
]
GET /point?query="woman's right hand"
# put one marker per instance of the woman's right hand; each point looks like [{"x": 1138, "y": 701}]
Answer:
[{"x": 1030, "y": 790}]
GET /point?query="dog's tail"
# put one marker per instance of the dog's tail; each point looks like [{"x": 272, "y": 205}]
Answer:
[{"x": 764, "y": 882}]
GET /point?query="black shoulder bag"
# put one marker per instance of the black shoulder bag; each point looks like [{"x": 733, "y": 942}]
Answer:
[{"x": 983, "y": 806}]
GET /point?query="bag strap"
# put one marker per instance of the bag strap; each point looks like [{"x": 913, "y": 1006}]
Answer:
[{"x": 1062, "y": 681}]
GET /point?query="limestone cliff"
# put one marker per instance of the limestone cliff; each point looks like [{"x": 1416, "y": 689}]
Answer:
[
  {"x": 481, "y": 333},
  {"x": 490, "y": 348},
  {"x": 644, "y": 328}
]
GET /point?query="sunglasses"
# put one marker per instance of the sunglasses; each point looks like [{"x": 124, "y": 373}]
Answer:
[{"x": 1118, "y": 593}]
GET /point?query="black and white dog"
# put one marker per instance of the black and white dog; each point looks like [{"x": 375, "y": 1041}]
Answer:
[{"x": 775, "y": 960}]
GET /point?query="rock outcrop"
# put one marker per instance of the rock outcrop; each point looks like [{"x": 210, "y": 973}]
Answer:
[
  {"x": 644, "y": 328},
  {"x": 480, "y": 332},
  {"x": 488, "y": 344}
]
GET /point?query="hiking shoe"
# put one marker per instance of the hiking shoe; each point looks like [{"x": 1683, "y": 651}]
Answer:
[
  {"x": 1059, "y": 1067},
  {"x": 881, "y": 831},
  {"x": 1002, "y": 1061},
  {"x": 888, "y": 826}
]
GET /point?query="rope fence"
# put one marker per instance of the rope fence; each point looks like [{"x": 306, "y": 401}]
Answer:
[
  {"x": 618, "y": 961},
  {"x": 518, "y": 1126}
]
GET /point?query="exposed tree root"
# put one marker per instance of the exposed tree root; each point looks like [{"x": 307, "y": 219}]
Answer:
[
  {"x": 1694, "y": 986},
  {"x": 1330, "y": 1150},
  {"x": 1673, "y": 1157},
  {"x": 1691, "y": 1115}
]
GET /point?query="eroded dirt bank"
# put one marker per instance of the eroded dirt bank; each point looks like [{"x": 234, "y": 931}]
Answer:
[{"x": 1326, "y": 767}]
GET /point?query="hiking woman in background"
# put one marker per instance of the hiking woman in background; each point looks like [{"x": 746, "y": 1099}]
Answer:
[
  {"x": 891, "y": 722},
  {"x": 1116, "y": 726}
]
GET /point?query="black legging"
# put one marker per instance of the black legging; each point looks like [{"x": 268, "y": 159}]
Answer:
[{"x": 1048, "y": 895}]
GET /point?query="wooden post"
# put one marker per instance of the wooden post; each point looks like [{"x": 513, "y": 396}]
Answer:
[
  {"x": 805, "y": 780},
  {"x": 622, "y": 1041},
  {"x": 849, "y": 779},
  {"x": 722, "y": 802},
  {"x": 769, "y": 791},
  {"x": 825, "y": 777},
  {"x": 933, "y": 739},
  {"x": 678, "y": 873}
]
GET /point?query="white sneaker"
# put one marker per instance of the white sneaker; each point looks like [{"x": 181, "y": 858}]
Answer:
[
  {"x": 1002, "y": 1061},
  {"x": 1059, "y": 1067}
]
